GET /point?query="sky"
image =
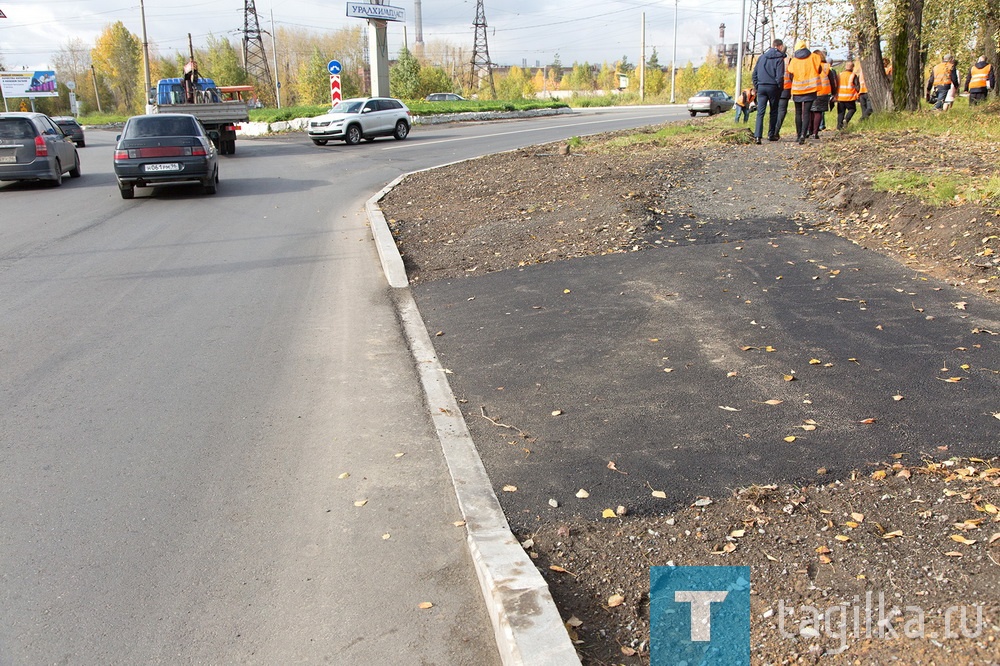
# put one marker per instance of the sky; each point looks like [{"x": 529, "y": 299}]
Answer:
[{"x": 519, "y": 31}]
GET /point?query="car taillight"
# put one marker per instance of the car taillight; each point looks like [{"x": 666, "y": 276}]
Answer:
[
  {"x": 121, "y": 155},
  {"x": 41, "y": 148},
  {"x": 198, "y": 151}
]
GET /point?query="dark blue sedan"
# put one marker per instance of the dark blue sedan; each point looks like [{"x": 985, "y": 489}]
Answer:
[{"x": 165, "y": 149}]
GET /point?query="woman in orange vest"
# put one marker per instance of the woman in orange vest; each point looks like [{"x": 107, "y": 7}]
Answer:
[
  {"x": 980, "y": 81},
  {"x": 825, "y": 90},
  {"x": 848, "y": 90},
  {"x": 866, "y": 105},
  {"x": 805, "y": 69}
]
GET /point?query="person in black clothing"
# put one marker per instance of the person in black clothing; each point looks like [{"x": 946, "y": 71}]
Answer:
[
  {"x": 980, "y": 80},
  {"x": 768, "y": 78},
  {"x": 942, "y": 78}
]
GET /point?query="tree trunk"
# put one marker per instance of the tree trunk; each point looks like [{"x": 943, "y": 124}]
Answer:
[
  {"x": 870, "y": 50},
  {"x": 914, "y": 72},
  {"x": 991, "y": 23}
]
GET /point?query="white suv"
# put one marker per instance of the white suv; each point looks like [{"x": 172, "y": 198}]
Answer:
[{"x": 361, "y": 118}]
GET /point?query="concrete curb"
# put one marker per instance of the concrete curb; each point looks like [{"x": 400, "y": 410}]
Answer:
[{"x": 526, "y": 623}]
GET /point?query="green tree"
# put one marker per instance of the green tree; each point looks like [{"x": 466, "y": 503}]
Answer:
[
  {"x": 434, "y": 79},
  {"x": 624, "y": 66},
  {"x": 516, "y": 85},
  {"x": 222, "y": 63},
  {"x": 607, "y": 79},
  {"x": 117, "y": 56},
  {"x": 555, "y": 71},
  {"x": 404, "y": 76},
  {"x": 312, "y": 85},
  {"x": 580, "y": 78}
]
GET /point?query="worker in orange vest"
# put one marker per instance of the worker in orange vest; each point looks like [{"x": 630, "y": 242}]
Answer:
[
  {"x": 805, "y": 68},
  {"x": 825, "y": 92},
  {"x": 943, "y": 77},
  {"x": 863, "y": 101},
  {"x": 980, "y": 81},
  {"x": 848, "y": 90},
  {"x": 743, "y": 102},
  {"x": 784, "y": 97}
]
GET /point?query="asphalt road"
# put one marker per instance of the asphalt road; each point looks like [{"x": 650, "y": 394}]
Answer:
[
  {"x": 185, "y": 378},
  {"x": 688, "y": 367}
]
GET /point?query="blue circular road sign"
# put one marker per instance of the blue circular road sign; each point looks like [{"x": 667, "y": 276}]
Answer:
[{"x": 334, "y": 66}]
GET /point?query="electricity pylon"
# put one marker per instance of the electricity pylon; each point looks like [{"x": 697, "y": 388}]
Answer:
[
  {"x": 481, "y": 65},
  {"x": 254, "y": 57}
]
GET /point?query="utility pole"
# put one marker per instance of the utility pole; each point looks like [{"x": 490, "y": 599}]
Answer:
[
  {"x": 274, "y": 49},
  {"x": 97, "y": 95},
  {"x": 642, "y": 61},
  {"x": 481, "y": 65},
  {"x": 740, "y": 47},
  {"x": 673, "y": 58},
  {"x": 145, "y": 54}
]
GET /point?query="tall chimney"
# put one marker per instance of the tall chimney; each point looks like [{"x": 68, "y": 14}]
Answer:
[{"x": 419, "y": 41}]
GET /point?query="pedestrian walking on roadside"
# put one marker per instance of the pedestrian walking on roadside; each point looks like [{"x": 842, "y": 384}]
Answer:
[
  {"x": 784, "y": 97},
  {"x": 848, "y": 89},
  {"x": 863, "y": 101},
  {"x": 825, "y": 92},
  {"x": 980, "y": 81},
  {"x": 768, "y": 78},
  {"x": 743, "y": 102},
  {"x": 805, "y": 70},
  {"x": 942, "y": 78}
]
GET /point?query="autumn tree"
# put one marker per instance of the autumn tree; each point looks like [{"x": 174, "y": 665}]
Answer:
[
  {"x": 434, "y": 79},
  {"x": 607, "y": 80},
  {"x": 580, "y": 78},
  {"x": 515, "y": 85},
  {"x": 312, "y": 84},
  {"x": 869, "y": 40},
  {"x": 117, "y": 56},
  {"x": 223, "y": 63}
]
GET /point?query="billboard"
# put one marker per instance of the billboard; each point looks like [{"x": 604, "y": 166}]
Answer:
[{"x": 40, "y": 83}]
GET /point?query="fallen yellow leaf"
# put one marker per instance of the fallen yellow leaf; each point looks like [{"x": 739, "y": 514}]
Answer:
[
  {"x": 893, "y": 534},
  {"x": 582, "y": 494},
  {"x": 878, "y": 474},
  {"x": 790, "y": 439},
  {"x": 608, "y": 513},
  {"x": 841, "y": 537},
  {"x": 424, "y": 605},
  {"x": 344, "y": 475},
  {"x": 814, "y": 361},
  {"x": 736, "y": 534},
  {"x": 659, "y": 494},
  {"x": 953, "y": 553},
  {"x": 615, "y": 600},
  {"x": 510, "y": 489},
  {"x": 361, "y": 502},
  {"x": 860, "y": 517},
  {"x": 961, "y": 539}
]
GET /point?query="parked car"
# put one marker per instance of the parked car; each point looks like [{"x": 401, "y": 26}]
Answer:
[
  {"x": 445, "y": 97},
  {"x": 32, "y": 147},
  {"x": 362, "y": 118},
  {"x": 71, "y": 128},
  {"x": 165, "y": 149},
  {"x": 710, "y": 102}
]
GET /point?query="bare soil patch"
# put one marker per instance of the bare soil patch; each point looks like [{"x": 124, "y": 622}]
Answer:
[{"x": 923, "y": 534}]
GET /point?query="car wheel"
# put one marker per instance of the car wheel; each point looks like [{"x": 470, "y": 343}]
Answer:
[
  {"x": 75, "y": 171},
  {"x": 353, "y": 136},
  {"x": 231, "y": 147},
  {"x": 82, "y": 144},
  {"x": 694, "y": 113},
  {"x": 211, "y": 187},
  {"x": 57, "y": 181},
  {"x": 320, "y": 142},
  {"x": 402, "y": 130},
  {"x": 127, "y": 191}
]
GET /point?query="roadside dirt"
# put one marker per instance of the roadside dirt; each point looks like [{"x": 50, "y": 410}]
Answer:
[{"x": 923, "y": 534}]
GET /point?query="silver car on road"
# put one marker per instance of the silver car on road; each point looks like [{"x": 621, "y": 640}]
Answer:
[{"x": 363, "y": 118}]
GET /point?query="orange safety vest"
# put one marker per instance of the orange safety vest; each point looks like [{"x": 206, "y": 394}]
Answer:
[
  {"x": 788, "y": 79},
  {"x": 942, "y": 73},
  {"x": 861, "y": 83},
  {"x": 847, "y": 90},
  {"x": 979, "y": 77},
  {"x": 805, "y": 75},
  {"x": 824, "y": 80}
]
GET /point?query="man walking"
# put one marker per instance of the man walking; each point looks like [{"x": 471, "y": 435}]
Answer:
[
  {"x": 848, "y": 90},
  {"x": 768, "y": 77},
  {"x": 942, "y": 78},
  {"x": 979, "y": 82}
]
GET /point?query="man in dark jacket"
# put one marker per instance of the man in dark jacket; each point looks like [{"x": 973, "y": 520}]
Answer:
[
  {"x": 768, "y": 78},
  {"x": 979, "y": 82}
]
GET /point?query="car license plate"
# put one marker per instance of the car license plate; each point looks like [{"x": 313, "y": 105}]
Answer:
[
  {"x": 8, "y": 159},
  {"x": 169, "y": 166}
]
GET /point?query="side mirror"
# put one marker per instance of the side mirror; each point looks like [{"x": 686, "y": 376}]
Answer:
[
  {"x": 366, "y": 110},
  {"x": 118, "y": 137}
]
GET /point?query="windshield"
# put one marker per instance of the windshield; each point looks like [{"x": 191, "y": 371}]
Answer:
[
  {"x": 704, "y": 93},
  {"x": 149, "y": 126},
  {"x": 347, "y": 106}
]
